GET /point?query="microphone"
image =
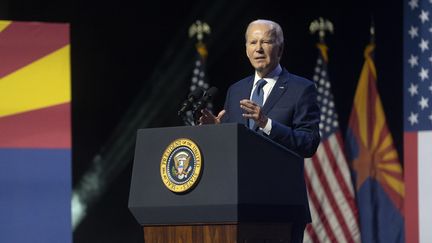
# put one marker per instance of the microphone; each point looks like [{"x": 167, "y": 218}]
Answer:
[
  {"x": 192, "y": 97},
  {"x": 208, "y": 96}
]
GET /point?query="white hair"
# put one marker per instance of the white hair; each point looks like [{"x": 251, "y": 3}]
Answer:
[{"x": 274, "y": 28}]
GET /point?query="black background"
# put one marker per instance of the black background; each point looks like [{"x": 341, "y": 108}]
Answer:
[{"x": 116, "y": 47}]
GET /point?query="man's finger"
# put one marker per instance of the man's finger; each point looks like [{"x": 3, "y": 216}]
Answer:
[
  {"x": 206, "y": 112},
  {"x": 221, "y": 114},
  {"x": 250, "y": 116},
  {"x": 247, "y": 103},
  {"x": 247, "y": 109}
]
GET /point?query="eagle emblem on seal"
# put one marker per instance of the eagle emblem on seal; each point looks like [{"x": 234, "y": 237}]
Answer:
[{"x": 181, "y": 165}]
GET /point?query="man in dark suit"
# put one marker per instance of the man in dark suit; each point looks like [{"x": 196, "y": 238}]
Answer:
[
  {"x": 289, "y": 113},
  {"x": 273, "y": 102}
]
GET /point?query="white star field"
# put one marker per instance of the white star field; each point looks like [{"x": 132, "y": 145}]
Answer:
[{"x": 417, "y": 65}]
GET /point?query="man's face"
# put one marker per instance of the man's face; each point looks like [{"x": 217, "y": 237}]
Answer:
[{"x": 262, "y": 49}]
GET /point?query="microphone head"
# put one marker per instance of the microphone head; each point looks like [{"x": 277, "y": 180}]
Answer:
[
  {"x": 202, "y": 103},
  {"x": 196, "y": 93},
  {"x": 211, "y": 92},
  {"x": 193, "y": 96}
]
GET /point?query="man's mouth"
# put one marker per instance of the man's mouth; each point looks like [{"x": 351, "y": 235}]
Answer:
[{"x": 259, "y": 59}]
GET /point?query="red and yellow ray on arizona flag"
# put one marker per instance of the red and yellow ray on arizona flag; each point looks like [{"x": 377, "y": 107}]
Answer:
[
  {"x": 34, "y": 85},
  {"x": 379, "y": 177}
]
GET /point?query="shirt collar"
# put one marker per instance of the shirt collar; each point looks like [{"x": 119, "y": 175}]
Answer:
[{"x": 271, "y": 77}]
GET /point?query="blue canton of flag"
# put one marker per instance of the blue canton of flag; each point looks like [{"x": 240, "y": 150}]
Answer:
[
  {"x": 417, "y": 66},
  {"x": 329, "y": 119},
  {"x": 198, "y": 76}
]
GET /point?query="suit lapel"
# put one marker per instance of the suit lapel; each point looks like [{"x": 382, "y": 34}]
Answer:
[
  {"x": 279, "y": 88},
  {"x": 244, "y": 93}
]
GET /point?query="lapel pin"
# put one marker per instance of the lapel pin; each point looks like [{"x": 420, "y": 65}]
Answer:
[{"x": 281, "y": 87}]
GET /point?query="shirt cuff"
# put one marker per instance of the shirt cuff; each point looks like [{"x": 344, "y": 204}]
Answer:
[{"x": 267, "y": 128}]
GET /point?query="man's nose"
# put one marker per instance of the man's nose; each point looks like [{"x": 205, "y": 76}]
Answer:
[{"x": 259, "y": 47}]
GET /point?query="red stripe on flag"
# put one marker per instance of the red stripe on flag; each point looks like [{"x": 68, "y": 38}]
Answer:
[
  {"x": 330, "y": 196},
  {"x": 411, "y": 187},
  {"x": 313, "y": 198},
  {"x": 345, "y": 188},
  {"x": 44, "y": 128},
  {"x": 345, "y": 191},
  {"x": 24, "y": 42},
  {"x": 312, "y": 234}
]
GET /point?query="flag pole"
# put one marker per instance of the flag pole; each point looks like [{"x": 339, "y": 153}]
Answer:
[
  {"x": 321, "y": 26},
  {"x": 372, "y": 31}
]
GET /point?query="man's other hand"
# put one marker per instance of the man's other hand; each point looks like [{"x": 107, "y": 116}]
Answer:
[{"x": 208, "y": 118}]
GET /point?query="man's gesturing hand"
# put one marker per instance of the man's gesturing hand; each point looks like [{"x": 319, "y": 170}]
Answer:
[
  {"x": 208, "y": 118},
  {"x": 254, "y": 112}
]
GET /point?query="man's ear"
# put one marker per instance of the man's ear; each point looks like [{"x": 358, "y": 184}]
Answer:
[
  {"x": 281, "y": 47},
  {"x": 247, "y": 54}
]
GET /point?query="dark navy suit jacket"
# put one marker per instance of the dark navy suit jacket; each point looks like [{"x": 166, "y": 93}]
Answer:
[{"x": 291, "y": 106}]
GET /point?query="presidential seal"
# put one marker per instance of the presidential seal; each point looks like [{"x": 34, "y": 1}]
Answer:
[{"x": 181, "y": 165}]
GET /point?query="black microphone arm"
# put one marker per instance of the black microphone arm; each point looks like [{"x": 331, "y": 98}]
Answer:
[{"x": 192, "y": 97}]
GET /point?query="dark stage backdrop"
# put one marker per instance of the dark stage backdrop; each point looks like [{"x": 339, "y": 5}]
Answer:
[{"x": 117, "y": 46}]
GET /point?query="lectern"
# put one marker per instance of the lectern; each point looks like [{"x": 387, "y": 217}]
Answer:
[{"x": 215, "y": 183}]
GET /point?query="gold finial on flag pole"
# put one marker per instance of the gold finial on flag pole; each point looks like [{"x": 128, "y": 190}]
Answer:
[
  {"x": 321, "y": 25},
  {"x": 198, "y": 30}
]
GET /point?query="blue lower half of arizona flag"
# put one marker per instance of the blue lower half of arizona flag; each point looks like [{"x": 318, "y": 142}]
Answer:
[
  {"x": 380, "y": 220},
  {"x": 35, "y": 192}
]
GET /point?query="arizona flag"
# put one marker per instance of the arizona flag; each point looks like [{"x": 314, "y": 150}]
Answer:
[
  {"x": 374, "y": 159},
  {"x": 35, "y": 132}
]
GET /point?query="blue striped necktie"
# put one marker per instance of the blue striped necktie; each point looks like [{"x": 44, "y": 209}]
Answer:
[{"x": 258, "y": 98}]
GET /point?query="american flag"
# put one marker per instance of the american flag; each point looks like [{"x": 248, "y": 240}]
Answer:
[
  {"x": 328, "y": 179},
  {"x": 199, "y": 79},
  {"x": 418, "y": 119}
]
